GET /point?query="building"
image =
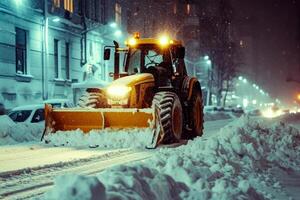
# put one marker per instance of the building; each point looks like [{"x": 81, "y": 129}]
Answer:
[{"x": 45, "y": 45}]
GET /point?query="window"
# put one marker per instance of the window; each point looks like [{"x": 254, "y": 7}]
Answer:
[
  {"x": 20, "y": 115},
  {"x": 68, "y": 5},
  {"x": 188, "y": 8},
  {"x": 21, "y": 51},
  {"x": 67, "y": 61},
  {"x": 56, "y": 3},
  {"x": 102, "y": 11},
  {"x": 38, "y": 116},
  {"x": 175, "y": 8},
  {"x": 118, "y": 14},
  {"x": 57, "y": 59}
]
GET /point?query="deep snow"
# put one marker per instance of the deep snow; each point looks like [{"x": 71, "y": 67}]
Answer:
[
  {"x": 235, "y": 163},
  {"x": 14, "y": 133}
]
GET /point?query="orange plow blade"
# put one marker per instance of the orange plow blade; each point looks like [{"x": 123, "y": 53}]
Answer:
[{"x": 89, "y": 119}]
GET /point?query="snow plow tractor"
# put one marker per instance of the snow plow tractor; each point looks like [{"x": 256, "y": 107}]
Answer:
[{"x": 153, "y": 90}]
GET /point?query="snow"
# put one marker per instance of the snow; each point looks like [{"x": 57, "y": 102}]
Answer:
[
  {"x": 107, "y": 138},
  {"x": 13, "y": 133},
  {"x": 77, "y": 187},
  {"x": 213, "y": 116},
  {"x": 235, "y": 163}
]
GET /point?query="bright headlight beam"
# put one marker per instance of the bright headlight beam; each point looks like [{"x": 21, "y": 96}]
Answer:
[
  {"x": 118, "y": 91},
  {"x": 164, "y": 40}
]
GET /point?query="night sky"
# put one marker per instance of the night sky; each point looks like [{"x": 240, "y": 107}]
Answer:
[{"x": 275, "y": 28}]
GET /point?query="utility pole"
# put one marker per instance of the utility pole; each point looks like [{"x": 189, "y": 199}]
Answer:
[{"x": 45, "y": 52}]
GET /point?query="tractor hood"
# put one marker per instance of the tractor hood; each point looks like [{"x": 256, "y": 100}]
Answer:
[{"x": 133, "y": 80}]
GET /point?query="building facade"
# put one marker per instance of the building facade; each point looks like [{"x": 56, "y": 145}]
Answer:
[{"x": 46, "y": 45}]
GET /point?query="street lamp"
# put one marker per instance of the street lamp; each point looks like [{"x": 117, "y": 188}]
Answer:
[
  {"x": 118, "y": 33},
  {"x": 206, "y": 57},
  {"x": 113, "y": 25},
  {"x": 18, "y": 2}
]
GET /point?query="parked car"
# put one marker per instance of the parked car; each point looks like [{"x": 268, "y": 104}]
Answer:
[{"x": 28, "y": 114}]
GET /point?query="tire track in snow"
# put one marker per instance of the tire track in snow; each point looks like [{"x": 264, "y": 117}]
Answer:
[{"x": 38, "y": 181}]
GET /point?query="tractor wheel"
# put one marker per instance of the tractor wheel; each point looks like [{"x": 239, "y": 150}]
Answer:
[
  {"x": 92, "y": 100},
  {"x": 195, "y": 116},
  {"x": 168, "y": 112}
]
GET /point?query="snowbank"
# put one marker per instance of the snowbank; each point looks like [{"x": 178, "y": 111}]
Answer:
[
  {"x": 77, "y": 187},
  {"x": 232, "y": 164},
  {"x": 213, "y": 116},
  {"x": 13, "y": 133},
  {"x": 107, "y": 138}
]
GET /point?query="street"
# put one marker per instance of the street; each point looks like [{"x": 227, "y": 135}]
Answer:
[{"x": 36, "y": 165}]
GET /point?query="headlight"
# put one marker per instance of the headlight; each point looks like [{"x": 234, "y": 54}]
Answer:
[{"x": 118, "y": 92}]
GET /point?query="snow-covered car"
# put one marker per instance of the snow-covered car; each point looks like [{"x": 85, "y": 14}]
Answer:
[
  {"x": 28, "y": 114},
  {"x": 59, "y": 103}
]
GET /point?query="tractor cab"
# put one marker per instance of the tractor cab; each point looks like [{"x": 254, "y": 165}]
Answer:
[{"x": 163, "y": 58}]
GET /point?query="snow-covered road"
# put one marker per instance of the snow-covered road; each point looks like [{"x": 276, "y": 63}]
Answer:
[
  {"x": 28, "y": 179},
  {"x": 35, "y": 165}
]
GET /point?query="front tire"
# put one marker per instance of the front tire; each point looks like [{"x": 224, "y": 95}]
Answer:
[{"x": 168, "y": 112}]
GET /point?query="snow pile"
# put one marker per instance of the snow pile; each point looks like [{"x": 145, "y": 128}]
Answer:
[
  {"x": 213, "y": 116},
  {"x": 107, "y": 138},
  {"x": 236, "y": 163},
  {"x": 77, "y": 187},
  {"x": 13, "y": 133}
]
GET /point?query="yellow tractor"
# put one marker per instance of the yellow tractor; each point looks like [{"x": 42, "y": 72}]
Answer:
[{"x": 153, "y": 90}]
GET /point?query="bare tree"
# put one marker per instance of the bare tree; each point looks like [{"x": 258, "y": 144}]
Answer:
[{"x": 217, "y": 40}]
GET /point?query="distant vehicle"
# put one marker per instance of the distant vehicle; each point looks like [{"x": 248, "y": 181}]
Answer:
[
  {"x": 59, "y": 103},
  {"x": 28, "y": 114},
  {"x": 238, "y": 110},
  {"x": 255, "y": 112}
]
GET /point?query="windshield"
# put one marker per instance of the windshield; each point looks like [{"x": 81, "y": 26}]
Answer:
[
  {"x": 144, "y": 56},
  {"x": 19, "y": 115}
]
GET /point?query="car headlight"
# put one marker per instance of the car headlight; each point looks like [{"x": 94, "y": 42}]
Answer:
[{"x": 118, "y": 92}]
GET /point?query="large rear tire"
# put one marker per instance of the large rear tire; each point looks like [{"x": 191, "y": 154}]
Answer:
[
  {"x": 168, "y": 112},
  {"x": 92, "y": 100},
  {"x": 196, "y": 118}
]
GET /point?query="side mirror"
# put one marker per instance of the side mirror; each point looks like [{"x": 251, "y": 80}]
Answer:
[
  {"x": 106, "y": 55},
  {"x": 181, "y": 53}
]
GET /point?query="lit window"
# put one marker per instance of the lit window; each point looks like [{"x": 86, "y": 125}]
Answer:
[
  {"x": 68, "y": 5},
  {"x": 241, "y": 43},
  {"x": 118, "y": 13},
  {"x": 188, "y": 8},
  {"x": 56, "y": 3},
  {"x": 175, "y": 8}
]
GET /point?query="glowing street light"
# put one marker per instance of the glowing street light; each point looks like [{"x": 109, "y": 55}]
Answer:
[
  {"x": 118, "y": 33},
  {"x": 18, "y": 2},
  {"x": 206, "y": 57},
  {"x": 240, "y": 78},
  {"x": 113, "y": 25},
  {"x": 208, "y": 62},
  {"x": 56, "y": 19}
]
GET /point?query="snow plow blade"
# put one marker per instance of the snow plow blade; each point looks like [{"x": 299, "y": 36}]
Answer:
[{"x": 89, "y": 119}]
